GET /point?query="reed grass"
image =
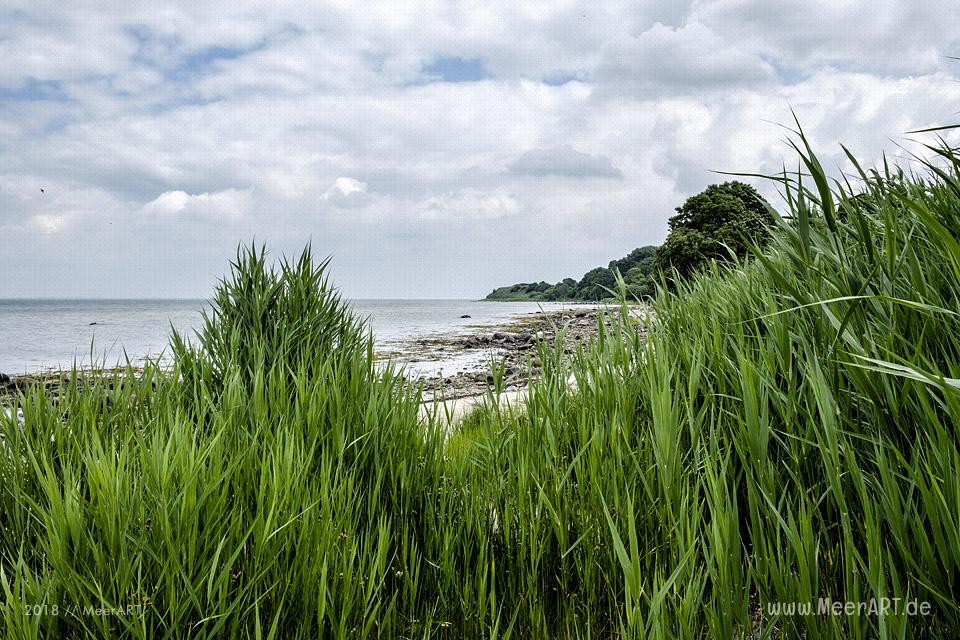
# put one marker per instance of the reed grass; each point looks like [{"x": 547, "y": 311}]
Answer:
[{"x": 787, "y": 431}]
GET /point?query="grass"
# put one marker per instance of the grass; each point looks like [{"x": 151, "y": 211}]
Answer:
[{"x": 786, "y": 432}]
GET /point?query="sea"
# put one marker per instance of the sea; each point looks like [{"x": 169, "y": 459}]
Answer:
[{"x": 46, "y": 335}]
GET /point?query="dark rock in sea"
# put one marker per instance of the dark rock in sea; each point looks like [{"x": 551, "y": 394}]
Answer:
[
  {"x": 466, "y": 315},
  {"x": 92, "y": 323}
]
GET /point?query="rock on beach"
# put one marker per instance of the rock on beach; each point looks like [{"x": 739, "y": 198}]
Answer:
[{"x": 513, "y": 344}]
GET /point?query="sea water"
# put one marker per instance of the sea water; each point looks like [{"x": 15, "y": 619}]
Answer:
[{"x": 39, "y": 335}]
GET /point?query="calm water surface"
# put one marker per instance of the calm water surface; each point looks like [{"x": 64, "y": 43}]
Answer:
[{"x": 36, "y": 335}]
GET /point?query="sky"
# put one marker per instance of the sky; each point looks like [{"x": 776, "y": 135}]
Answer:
[{"x": 433, "y": 149}]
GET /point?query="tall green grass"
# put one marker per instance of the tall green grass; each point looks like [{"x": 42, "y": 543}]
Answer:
[{"x": 786, "y": 431}]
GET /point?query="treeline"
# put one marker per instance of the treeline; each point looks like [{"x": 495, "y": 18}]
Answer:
[
  {"x": 595, "y": 284},
  {"x": 715, "y": 225}
]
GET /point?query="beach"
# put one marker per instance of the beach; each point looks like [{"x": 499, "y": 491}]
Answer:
[{"x": 452, "y": 359}]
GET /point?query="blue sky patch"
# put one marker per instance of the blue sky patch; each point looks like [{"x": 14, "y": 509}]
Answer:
[
  {"x": 456, "y": 69},
  {"x": 562, "y": 77},
  {"x": 788, "y": 75},
  {"x": 34, "y": 90},
  {"x": 167, "y": 55}
]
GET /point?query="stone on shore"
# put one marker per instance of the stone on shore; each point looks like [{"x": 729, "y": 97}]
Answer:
[{"x": 511, "y": 344}]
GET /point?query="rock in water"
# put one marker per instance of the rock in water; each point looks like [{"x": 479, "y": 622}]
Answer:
[{"x": 466, "y": 315}]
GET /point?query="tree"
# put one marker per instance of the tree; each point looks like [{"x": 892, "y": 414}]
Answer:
[
  {"x": 639, "y": 257},
  {"x": 636, "y": 268},
  {"x": 565, "y": 289},
  {"x": 595, "y": 284},
  {"x": 640, "y": 283},
  {"x": 723, "y": 218}
]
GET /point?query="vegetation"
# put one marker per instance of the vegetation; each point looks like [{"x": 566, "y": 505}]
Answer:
[
  {"x": 636, "y": 268},
  {"x": 719, "y": 224},
  {"x": 786, "y": 432}
]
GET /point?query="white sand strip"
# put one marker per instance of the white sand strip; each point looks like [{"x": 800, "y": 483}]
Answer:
[{"x": 453, "y": 410}]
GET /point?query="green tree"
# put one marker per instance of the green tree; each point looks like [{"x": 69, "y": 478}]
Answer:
[
  {"x": 640, "y": 257},
  {"x": 565, "y": 289},
  {"x": 639, "y": 280},
  {"x": 723, "y": 218},
  {"x": 595, "y": 284}
]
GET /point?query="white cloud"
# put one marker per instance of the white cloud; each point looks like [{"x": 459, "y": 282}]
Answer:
[
  {"x": 347, "y": 193},
  {"x": 563, "y": 161},
  {"x": 229, "y": 205},
  {"x": 48, "y": 223},
  {"x": 468, "y": 205},
  {"x": 889, "y": 35},
  {"x": 235, "y": 121},
  {"x": 348, "y": 186},
  {"x": 691, "y": 59}
]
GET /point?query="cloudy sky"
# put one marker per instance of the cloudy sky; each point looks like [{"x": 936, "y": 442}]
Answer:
[{"x": 435, "y": 149}]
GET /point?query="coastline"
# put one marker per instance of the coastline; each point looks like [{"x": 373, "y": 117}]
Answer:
[{"x": 453, "y": 366}]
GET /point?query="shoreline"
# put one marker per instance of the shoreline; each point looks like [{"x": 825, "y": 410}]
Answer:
[
  {"x": 461, "y": 364},
  {"x": 452, "y": 366}
]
